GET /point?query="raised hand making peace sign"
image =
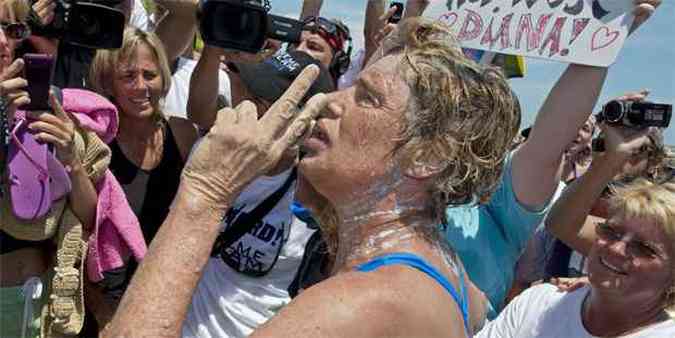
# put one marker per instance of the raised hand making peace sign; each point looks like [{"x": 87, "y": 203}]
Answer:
[{"x": 239, "y": 147}]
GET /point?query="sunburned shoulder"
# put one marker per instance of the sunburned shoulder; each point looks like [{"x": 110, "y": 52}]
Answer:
[{"x": 382, "y": 303}]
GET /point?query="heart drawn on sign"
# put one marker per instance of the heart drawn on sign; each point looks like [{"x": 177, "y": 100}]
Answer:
[
  {"x": 449, "y": 18},
  {"x": 604, "y": 39}
]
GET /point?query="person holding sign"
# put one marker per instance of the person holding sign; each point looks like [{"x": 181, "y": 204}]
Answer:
[{"x": 490, "y": 237}]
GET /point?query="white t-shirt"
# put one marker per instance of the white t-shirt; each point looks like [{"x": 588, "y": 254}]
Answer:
[
  {"x": 228, "y": 303},
  {"x": 541, "y": 311},
  {"x": 175, "y": 102}
]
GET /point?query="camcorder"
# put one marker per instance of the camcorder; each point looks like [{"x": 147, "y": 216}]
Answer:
[
  {"x": 93, "y": 25},
  {"x": 636, "y": 114},
  {"x": 244, "y": 25},
  {"x": 633, "y": 114}
]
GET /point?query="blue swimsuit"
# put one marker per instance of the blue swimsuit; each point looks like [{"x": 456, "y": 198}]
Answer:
[{"x": 422, "y": 265}]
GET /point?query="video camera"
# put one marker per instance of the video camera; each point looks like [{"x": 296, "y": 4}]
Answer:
[
  {"x": 244, "y": 25},
  {"x": 92, "y": 25},
  {"x": 636, "y": 114}
]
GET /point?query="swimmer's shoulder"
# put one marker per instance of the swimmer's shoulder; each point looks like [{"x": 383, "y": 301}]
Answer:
[{"x": 357, "y": 304}]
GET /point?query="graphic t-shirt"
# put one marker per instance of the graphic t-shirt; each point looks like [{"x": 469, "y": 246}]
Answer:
[{"x": 230, "y": 300}]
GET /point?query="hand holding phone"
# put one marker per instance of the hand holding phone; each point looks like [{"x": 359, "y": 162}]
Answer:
[
  {"x": 38, "y": 70},
  {"x": 396, "y": 17}
]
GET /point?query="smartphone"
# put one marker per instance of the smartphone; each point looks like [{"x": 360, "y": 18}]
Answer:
[
  {"x": 398, "y": 14},
  {"x": 38, "y": 71}
]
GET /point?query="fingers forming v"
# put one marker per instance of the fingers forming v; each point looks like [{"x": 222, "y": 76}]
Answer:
[
  {"x": 284, "y": 111},
  {"x": 304, "y": 120}
]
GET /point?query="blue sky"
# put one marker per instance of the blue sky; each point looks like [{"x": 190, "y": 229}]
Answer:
[{"x": 646, "y": 61}]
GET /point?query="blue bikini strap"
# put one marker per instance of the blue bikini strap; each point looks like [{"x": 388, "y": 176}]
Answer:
[{"x": 420, "y": 264}]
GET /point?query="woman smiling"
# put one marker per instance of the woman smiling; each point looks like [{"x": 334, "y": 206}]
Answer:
[{"x": 149, "y": 150}]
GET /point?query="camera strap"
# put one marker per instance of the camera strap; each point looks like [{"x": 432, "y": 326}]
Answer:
[{"x": 246, "y": 221}]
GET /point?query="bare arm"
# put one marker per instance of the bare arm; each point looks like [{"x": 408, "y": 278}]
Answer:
[
  {"x": 377, "y": 27},
  {"x": 310, "y": 8},
  {"x": 178, "y": 27},
  {"x": 373, "y": 27},
  {"x": 203, "y": 95},
  {"x": 83, "y": 197},
  {"x": 565, "y": 110},
  {"x": 567, "y": 106},
  {"x": 569, "y": 218},
  {"x": 414, "y": 8},
  {"x": 238, "y": 148},
  {"x": 154, "y": 305}
]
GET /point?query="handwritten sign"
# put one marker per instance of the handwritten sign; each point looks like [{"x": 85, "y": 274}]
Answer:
[{"x": 589, "y": 32}]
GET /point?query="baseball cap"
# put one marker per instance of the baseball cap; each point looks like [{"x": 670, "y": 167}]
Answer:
[{"x": 270, "y": 78}]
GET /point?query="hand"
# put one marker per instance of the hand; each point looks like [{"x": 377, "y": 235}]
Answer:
[
  {"x": 239, "y": 147},
  {"x": 643, "y": 10},
  {"x": 569, "y": 284},
  {"x": 12, "y": 88},
  {"x": 45, "y": 11},
  {"x": 57, "y": 128},
  {"x": 415, "y": 8},
  {"x": 386, "y": 28},
  {"x": 622, "y": 143}
]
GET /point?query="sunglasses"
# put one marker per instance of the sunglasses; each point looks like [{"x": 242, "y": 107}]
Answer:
[
  {"x": 337, "y": 33},
  {"x": 635, "y": 248},
  {"x": 15, "y": 30}
]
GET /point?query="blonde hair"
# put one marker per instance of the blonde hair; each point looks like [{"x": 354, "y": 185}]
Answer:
[
  {"x": 462, "y": 116},
  {"x": 106, "y": 62},
  {"x": 19, "y": 9},
  {"x": 643, "y": 199}
]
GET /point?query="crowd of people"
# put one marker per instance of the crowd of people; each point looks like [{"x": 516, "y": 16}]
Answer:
[{"x": 311, "y": 190}]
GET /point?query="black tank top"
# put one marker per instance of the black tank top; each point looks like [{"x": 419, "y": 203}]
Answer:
[{"x": 149, "y": 193}]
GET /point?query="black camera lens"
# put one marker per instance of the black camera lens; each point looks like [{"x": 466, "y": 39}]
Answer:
[
  {"x": 233, "y": 25},
  {"x": 613, "y": 112}
]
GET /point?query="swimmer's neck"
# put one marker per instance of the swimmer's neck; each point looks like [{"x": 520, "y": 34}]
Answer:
[{"x": 381, "y": 233}]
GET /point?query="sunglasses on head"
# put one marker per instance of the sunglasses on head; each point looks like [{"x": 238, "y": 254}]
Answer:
[
  {"x": 15, "y": 30},
  {"x": 336, "y": 33}
]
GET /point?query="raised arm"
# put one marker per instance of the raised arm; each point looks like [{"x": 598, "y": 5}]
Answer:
[
  {"x": 414, "y": 8},
  {"x": 569, "y": 219},
  {"x": 202, "y": 103},
  {"x": 178, "y": 27},
  {"x": 237, "y": 149},
  {"x": 310, "y": 8},
  {"x": 372, "y": 27},
  {"x": 536, "y": 164}
]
